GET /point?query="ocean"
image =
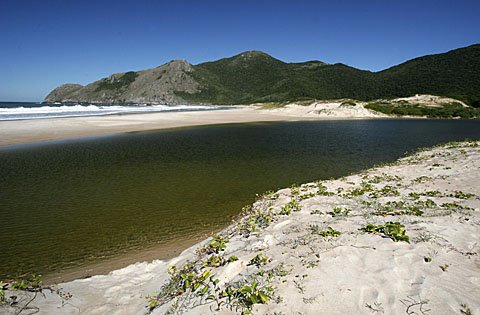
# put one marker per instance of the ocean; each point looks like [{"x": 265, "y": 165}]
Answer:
[{"x": 37, "y": 110}]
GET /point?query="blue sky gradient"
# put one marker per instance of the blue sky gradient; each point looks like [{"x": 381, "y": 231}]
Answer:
[{"x": 46, "y": 43}]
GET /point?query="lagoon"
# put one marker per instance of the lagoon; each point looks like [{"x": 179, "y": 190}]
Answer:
[{"x": 67, "y": 204}]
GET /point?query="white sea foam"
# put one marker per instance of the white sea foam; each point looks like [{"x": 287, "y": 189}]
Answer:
[{"x": 40, "y": 112}]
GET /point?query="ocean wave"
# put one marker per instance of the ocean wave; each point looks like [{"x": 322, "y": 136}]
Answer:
[{"x": 77, "y": 110}]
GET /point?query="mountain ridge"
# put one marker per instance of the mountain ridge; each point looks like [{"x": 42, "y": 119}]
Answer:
[{"x": 255, "y": 76}]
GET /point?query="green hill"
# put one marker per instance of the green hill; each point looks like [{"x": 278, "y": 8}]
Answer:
[
  {"x": 254, "y": 76},
  {"x": 257, "y": 77},
  {"x": 454, "y": 74}
]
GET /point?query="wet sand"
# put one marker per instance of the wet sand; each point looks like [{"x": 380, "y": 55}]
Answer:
[{"x": 160, "y": 252}]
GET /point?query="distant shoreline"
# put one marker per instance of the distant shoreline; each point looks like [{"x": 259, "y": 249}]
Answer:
[{"x": 17, "y": 132}]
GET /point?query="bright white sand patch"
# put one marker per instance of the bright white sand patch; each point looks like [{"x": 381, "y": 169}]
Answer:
[
  {"x": 322, "y": 109},
  {"x": 427, "y": 100}
]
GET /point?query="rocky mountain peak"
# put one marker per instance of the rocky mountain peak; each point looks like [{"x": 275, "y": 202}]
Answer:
[
  {"x": 254, "y": 53},
  {"x": 180, "y": 65}
]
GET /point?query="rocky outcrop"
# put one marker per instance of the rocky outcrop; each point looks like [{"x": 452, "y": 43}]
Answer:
[
  {"x": 153, "y": 86},
  {"x": 62, "y": 92}
]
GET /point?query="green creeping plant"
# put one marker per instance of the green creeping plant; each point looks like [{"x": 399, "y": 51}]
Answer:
[
  {"x": 322, "y": 190},
  {"x": 329, "y": 232},
  {"x": 216, "y": 245},
  {"x": 256, "y": 220},
  {"x": 339, "y": 211},
  {"x": 259, "y": 260},
  {"x": 394, "y": 230},
  {"x": 247, "y": 296},
  {"x": 461, "y": 195},
  {"x": 293, "y": 205}
]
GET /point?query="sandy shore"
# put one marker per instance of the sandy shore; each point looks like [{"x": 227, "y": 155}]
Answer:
[
  {"x": 310, "y": 249},
  {"x": 104, "y": 267},
  {"x": 28, "y": 131}
]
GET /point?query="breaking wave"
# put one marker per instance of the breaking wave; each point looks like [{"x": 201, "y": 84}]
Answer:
[{"x": 77, "y": 110}]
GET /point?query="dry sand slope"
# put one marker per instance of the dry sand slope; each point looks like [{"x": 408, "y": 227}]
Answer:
[
  {"x": 326, "y": 110},
  {"x": 290, "y": 255}
]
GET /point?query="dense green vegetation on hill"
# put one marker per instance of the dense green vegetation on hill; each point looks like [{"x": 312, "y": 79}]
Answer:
[
  {"x": 454, "y": 74},
  {"x": 454, "y": 110},
  {"x": 257, "y": 77}
]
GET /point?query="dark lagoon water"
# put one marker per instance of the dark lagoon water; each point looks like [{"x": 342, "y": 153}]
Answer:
[{"x": 67, "y": 204}]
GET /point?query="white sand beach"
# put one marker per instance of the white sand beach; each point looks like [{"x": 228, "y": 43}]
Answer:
[
  {"x": 27, "y": 131},
  {"x": 310, "y": 250}
]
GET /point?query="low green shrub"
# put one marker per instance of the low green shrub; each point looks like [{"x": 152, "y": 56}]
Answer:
[{"x": 447, "y": 111}]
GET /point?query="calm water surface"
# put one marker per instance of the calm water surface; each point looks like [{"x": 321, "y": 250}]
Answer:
[{"x": 66, "y": 204}]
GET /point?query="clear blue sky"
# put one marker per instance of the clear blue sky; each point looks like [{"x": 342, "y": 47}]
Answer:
[{"x": 44, "y": 43}]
